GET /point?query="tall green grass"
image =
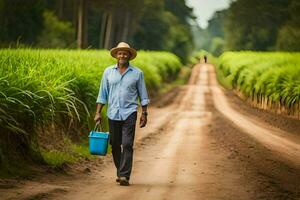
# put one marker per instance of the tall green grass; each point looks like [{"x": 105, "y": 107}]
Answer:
[
  {"x": 58, "y": 88},
  {"x": 270, "y": 79}
]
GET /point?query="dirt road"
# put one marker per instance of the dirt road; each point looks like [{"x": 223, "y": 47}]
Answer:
[{"x": 200, "y": 146}]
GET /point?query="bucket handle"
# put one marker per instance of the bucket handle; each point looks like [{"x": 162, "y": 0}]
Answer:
[{"x": 98, "y": 127}]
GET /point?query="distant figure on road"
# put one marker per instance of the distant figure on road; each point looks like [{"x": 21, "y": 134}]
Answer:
[
  {"x": 121, "y": 86},
  {"x": 205, "y": 58}
]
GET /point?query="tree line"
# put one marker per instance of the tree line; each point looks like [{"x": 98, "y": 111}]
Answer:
[
  {"x": 260, "y": 25},
  {"x": 146, "y": 24}
]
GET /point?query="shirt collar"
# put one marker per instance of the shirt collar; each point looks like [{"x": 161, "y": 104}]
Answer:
[{"x": 129, "y": 67}]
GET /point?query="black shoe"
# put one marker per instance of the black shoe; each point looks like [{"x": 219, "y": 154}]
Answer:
[
  {"x": 124, "y": 181},
  {"x": 118, "y": 179}
]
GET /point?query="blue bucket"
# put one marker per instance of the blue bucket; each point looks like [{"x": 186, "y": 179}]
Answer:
[{"x": 98, "y": 142}]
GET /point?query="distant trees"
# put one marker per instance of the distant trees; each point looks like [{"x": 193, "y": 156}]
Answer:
[
  {"x": 147, "y": 24},
  {"x": 164, "y": 25},
  {"x": 216, "y": 32},
  {"x": 212, "y": 38},
  {"x": 150, "y": 24},
  {"x": 263, "y": 25},
  {"x": 56, "y": 33},
  {"x": 254, "y": 25},
  {"x": 20, "y": 21},
  {"x": 180, "y": 38},
  {"x": 122, "y": 21},
  {"x": 289, "y": 34},
  {"x": 82, "y": 24}
]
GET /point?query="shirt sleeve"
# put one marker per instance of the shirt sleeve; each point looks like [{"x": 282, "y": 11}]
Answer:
[
  {"x": 103, "y": 90},
  {"x": 142, "y": 90}
]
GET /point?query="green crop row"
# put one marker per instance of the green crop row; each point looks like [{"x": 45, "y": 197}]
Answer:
[
  {"x": 39, "y": 88},
  {"x": 269, "y": 79}
]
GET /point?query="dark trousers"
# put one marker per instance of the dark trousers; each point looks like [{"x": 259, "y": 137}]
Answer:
[{"x": 122, "y": 133}]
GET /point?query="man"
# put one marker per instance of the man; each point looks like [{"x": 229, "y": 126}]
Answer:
[
  {"x": 205, "y": 59},
  {"x": 121, "y": 86}
]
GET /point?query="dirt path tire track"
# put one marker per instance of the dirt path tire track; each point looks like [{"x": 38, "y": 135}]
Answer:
[
  {"x": 178, "y": 163},
  {"x": 273, "y": 138},
  {"x": 273, "y": 163}
]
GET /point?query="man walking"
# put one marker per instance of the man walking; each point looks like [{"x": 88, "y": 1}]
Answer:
[{"x": 121, "y": 86}]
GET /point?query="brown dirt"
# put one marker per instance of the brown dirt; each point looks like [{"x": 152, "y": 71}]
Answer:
[
  {"x": 282, "y": 122},
  {"x": 202, "y": 144}
]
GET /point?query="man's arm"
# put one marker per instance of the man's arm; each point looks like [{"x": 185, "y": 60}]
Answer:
[
  {"x": 144, "y": 109},
  {"x": 99, "y": 107},
  {"x": 102, "y": 97},
  {"x": 142, "y": 91},
  {"x": 98, "y": 117},
  {"x": 144, "y": 100},
  {"x": 143, "y": 119}
]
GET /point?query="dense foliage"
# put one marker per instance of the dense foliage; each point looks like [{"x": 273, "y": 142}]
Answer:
[
  {"x": 253, "y": 25},
  {"x": 46, "y": 91},
  {"x": 145, "y": 24},
  {"x": 268, "y": 79},
  {"x": 38, "y": 86}
]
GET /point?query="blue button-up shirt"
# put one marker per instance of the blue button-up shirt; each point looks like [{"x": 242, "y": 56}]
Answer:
[{"x": 121, "y": 92}]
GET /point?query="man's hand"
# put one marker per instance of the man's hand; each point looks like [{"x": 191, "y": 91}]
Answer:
[
  {"x": 143, "y": 121},
  {"x": 98, "y": 117}
]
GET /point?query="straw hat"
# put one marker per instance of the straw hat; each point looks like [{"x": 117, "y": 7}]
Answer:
[{"x": 123, "y": 46}]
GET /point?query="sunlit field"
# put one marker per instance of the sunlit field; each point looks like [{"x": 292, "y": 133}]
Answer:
[{"x": 268, "y": 79}]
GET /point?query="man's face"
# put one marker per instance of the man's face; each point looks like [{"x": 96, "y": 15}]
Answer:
[{"x": 123, "y": 57}]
